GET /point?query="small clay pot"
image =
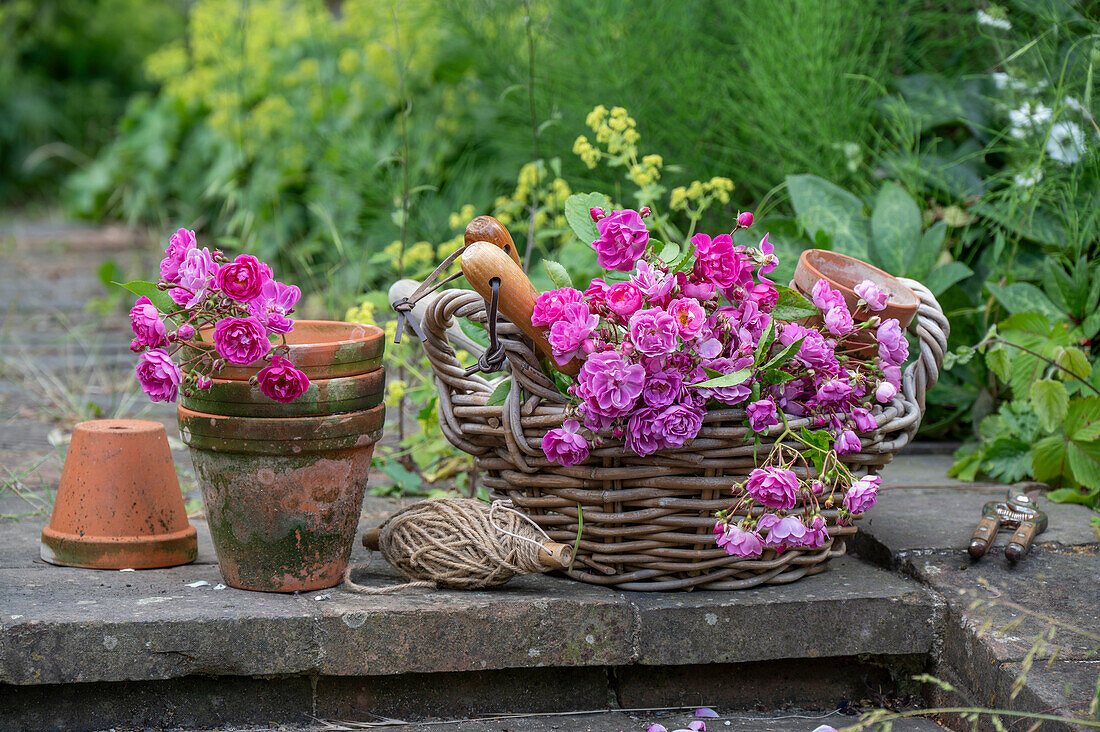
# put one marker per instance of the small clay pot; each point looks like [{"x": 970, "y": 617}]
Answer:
[
  {"x": 282, "y": 495},
  {"x": 324, "y": 396},
  {"x": 322, "y": 349},
  {"x": 843, "y": 273},
  {"x": 119, "y": 503}
]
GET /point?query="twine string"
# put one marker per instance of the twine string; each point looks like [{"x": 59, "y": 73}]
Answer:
[{"x": 456, "y": 543}]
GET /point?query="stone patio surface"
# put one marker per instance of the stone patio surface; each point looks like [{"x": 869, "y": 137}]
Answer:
[{"x": 85, "y": 649}]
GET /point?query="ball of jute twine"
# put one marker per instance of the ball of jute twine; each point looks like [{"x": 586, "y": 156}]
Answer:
[{"x": 457, "y": 543}]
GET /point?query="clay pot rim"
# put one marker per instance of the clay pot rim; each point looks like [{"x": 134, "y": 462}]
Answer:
[
  {"x": 320, "y": 383},
  {"x": 281, "y": 430},
  {"x": 115, "y": 426},
  {"x": 809, "y": 257},
  {"x": 131, "y": 540}
]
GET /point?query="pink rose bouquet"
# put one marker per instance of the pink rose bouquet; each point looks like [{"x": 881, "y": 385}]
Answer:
[
  {"x": 240, "y": 301},
  {"x": 673, "y": 332}
]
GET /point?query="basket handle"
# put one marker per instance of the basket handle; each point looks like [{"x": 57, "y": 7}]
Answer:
[{"x": 932, "y": 329}]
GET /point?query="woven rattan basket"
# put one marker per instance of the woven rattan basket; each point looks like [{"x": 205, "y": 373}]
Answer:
[{"x": 645, "y": 523}]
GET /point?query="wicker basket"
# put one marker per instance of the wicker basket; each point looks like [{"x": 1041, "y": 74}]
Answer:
[{"x": 645, "y": 523}]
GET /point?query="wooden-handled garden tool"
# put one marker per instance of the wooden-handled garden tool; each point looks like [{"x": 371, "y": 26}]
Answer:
[
  {"x": 1019, "y": 513},
  {"x": 482, "y": 263}
]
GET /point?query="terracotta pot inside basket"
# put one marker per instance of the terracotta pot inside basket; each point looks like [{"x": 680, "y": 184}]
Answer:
[{"x": 843, "y": 273}]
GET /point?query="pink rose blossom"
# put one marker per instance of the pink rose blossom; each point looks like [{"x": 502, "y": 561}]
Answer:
[
  {"x": 568, "y": 334},
  {"x": 847, "y": 443},
  {"x": 817, "y": 535},
  {"x": 884, "y": 392},
  {"x": 623, "y": 239},
  {"x": 871, "y": 294},
  {"x": 826, "y": 298},
  {"x": 652, "y": 282},
  {"x": 194, "y": 276},
  {"x": 893, "y": 349},
  {"x": 789, "y": 531},
  {"x": 833, "y": 390},
  {"x": 596, "y": 292},
  {"x": 596, "y": 213},
  {"x": 273, "y": 304},
  {"x": 281, "y": 381},
  {"x": 609, "y": 386},
  {"x": 551, "y": 304},
  {"x": 701, "y": 291},
  {"x": 689, "y": 316},
  {"x": 717, "y": 261},
  {"x": 731, "y": 395},
  {"x": 178, "y": 245},
  {"x": 679, "y": 423},
  {"x": 863, "y": 494},
  {"x": 773, "y": 487},
  {"x": 737, "y": 542},
  {"x": 147, "y": 325},
  {"x": 839, "y": 321},
  {"x": 564, "y": 445},
  {"x": 242, "y": 279},
  {"x": 159, "y": 376},
  {"x": 653, "y": 332},
  {"x": 765, "y": 295},
  {"x": 762, "y": 415},
  {"x": 241, "y": 341},
  {"x": 662, "y": 388},
  {"x": 642, "y": 435},
  {"x": 645, "y": 211},
  {"x": 744, "y": 219},
  {"x": 863, "y": 419},
  {"x": 623, "y": 299},
  {"x": 185, "y": 332}
]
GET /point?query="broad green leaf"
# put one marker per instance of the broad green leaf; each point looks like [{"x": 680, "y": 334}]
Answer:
[
  {"x": 1083, "y": 419},
  {"x": 1048, "y": 459},
  {"x": 160, "y": 299},
  {"x": 927, "y": 254},
  {"x": 1072, "y": 495},
  {"x": 1050, "y": 401},
  {"x": 822, "y": 206},
  {"x": 765, "y": 341},
  {"x": 474, "y": 331},
  {"x": 792, "y": 305},
  {"x": 895, "y": 229},
  {"x": 998, "y": 361},
  {"x": 577, "y": 208},
  {"x": 776, "y": 376},
  {"x": 942, "y": 277},
  {"x": 1084, "y": 461},
  {"x": 737, "y": 377},
  {"x": 1024, "y": 297},
  {"x": 557, "y": 274},
  {"x": 499, "y": 394},
  {"x": 402, "y": 477},
  {"x": 1007, "y": 459},
  {"x": 781, "y": 357},
  {"x": 1074, "y": 361},
  {"x": 669, "y": 253},
  {"x": 966, "y": 466}
]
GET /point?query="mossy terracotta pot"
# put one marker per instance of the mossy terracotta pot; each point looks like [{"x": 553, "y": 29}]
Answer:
[
  {"x": 119, "y": 503},
  {"x": 324, "y": 396},
  {"x": 322, "y": 349},
  {"x": 282, "y": 495},
  {"x": 843, "y": 273}
]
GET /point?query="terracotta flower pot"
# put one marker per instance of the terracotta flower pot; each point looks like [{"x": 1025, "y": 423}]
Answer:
[
  {"x": 324, "y": 396},
  {"x": 323, "y": 349},
  {"x": 843, "y": 273},
  {"x": 119, "y": 503},
  {"x": 282, "y": 495}
]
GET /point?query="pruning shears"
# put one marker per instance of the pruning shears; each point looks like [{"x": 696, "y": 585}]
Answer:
[{"x": 1017, "y": 512}]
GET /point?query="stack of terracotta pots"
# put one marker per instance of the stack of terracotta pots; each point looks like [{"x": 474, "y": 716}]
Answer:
[{"x": 283, "y": 484}]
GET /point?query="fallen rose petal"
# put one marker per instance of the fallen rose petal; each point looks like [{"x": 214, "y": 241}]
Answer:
[
  {"x": 656, "y": 728},
  {"x": 706, "y": 713}
]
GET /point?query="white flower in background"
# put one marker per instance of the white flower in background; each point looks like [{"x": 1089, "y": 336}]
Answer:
[
  {"x": 1066, "y": 143},
  {"x": 992, "y": 20},
  {"x": 1027, "y": 118},
  {"x": 1073, "y": 103},
  {"x": 852, "y": 154},
  {"x": 1029, "y": 179}
]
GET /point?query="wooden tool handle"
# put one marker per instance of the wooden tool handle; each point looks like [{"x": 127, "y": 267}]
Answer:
[
  {"x": 370, "y": 538},
  {"x": 481, "y": 262},
  {"x": 556, "y": 556},
  {"x": 983, "y": 535},
  {"x": 1020, "y": 541},
  {"x": 486, "y": 228}
]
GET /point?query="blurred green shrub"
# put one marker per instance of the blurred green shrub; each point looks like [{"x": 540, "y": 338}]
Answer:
[{"x": 67, "y": 69}]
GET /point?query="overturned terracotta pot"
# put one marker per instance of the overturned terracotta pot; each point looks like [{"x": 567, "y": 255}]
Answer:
[
  {"x": 119, "y": 503},
  {"x": 282, "y": 495}
]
